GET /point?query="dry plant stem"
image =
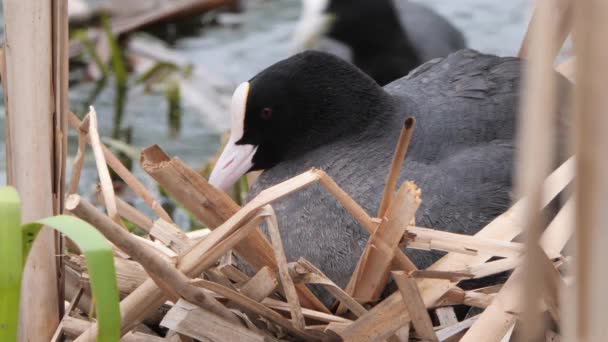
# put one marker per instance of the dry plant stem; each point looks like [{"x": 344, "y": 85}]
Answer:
[
  {"x": 249, "y": 304},
  {"x": 415, "y": 306},
  {"x": 536, "y": 155},
  {"x": 396, "y": 164},
  {"x": 107, "y": 188},
  {"x": 131, "y": 214},
  {"x": 190, "y": 320},
  {"x": 425, "y": 238},
  {"x": 59, "y": 332},
  {"x": 316, "y": 315},
  {"x": 568, "y": 69},
  {"x": 261, "y": 285},
  {"x": 315, "y": 276},
  {"x": 171, "y": 236},
  {"x": 126, "y": 175},
  {"x": 286, "y": 281},
  {"x": 213, "y": 207},
  {"x": 384, "y": 319},
  {"x": 79, "y": 159},
  {"x": 373, "y": 269},
  {"x": 28, "y": 80},
  {"x": 591, "y": 184},
  {"x": 169, "y": 277},
  {"x": 561, "y": 18}
]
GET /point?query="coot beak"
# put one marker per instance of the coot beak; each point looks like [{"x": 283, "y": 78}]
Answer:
[
  {"x": 313, "y": 24},
  {"x": 235, "y": 160}
]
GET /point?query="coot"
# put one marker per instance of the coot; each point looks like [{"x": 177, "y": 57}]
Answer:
[
  {"x": 315, "y": 110},
  {"x": 384, "y": 38}
]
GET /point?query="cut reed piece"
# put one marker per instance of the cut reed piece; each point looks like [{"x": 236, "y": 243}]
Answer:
[
  {"x": 261, "y": 285},
  {"x": 561, "y": 15},
  {"x": 396, "y": 165},
  {"x": 213, "y": 207},
  {"x": 190, "y": 320},
  {"x": 425, "y": 238},
  {"x": 315, "y": 276},
  {"x": 536, "y": 152},
  {"x": 107, "y": 188},
  {"x": 415, "y": 306},
  {"x": 373, "y": 270},
  {"x": 125, "y": 174},
  {"x": 390, "y": 315},
  {"x": 286, "y": 281},
  {"x": 131, "y": 214},
  {"x": 171, "y": 236},
  {"x": 79, "y": 159},
  {"x": 587, "y": 318}
]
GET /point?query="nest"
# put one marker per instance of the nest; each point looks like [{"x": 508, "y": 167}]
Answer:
[{"x": 186, "y": 282}]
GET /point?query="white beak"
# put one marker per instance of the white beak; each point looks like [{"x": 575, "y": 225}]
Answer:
[
  {"x": 235, "y": 160},
  {"x": 313, "y": 24}
]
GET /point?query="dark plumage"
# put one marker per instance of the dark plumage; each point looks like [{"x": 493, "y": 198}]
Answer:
[
  {"x": 389, "y": 38},
  {"x": 329, "y": 115}
]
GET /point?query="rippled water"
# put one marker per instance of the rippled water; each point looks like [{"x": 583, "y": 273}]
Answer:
[{"x": 237, "y": 52}]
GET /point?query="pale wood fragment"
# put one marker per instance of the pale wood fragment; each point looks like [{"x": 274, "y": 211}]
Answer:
[{"x": 415, "y": 306}]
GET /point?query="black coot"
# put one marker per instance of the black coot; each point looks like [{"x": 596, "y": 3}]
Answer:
[
  {"x": 315, "y": 110},
  {"x": 386, "y": 38}
]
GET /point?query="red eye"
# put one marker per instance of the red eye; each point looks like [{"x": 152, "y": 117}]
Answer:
[{"x": 266, "y": 113}]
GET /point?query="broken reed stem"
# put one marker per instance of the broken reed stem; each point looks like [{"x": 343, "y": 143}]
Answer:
[
  {"x": 536, "y": 155},
  {"x": 415, "y": 306},
  {"x": 107, "y": 188},
  {"x": 79, "y": 159},
  {"x": 286, "y": 281},
  {"x": 373, "y": 269},
  {"x": 170, "y": 278},
  {"x": 125, "y": 174},
  {"x": 397, "y": 164},
  {"x": 561, "y": 18},
  {"x": 131, "y": 214}
]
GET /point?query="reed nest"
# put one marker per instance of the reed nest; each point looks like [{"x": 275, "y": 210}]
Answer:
[{"x": 186, "y": 282}]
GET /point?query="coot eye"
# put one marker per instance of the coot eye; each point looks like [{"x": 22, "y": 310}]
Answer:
[{"x": 266, "y": 113}]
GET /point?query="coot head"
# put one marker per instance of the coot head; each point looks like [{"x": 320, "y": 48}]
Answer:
[{"x": 292, "y": 107}]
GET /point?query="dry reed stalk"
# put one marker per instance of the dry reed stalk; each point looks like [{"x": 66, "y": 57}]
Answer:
[
  {"x": 373, "y": 270},
  {"x": 591, "y": 184},
  {"x": 59, "y": 332},
  {"x": 107, "y": 188},
  {"x": 131, "y": 214},
  {"x": 560, "y": 12},
  {"x": 309, "y": 274},
  {"x": 30, "y": 148},
  {"x": 171, "y": 236},
  {"x": 80, "y": 154},
  {"x": 449, "y": 275},
  {"x": 125, "y": 174},
  {"x": 286, "y": 281},
  {"x": 452, "y": 332},
  {"x": 190, "y": 320},
  {"x": 388, "y": 316},
  {"x": 446, "y": 316},
  {"x": 396, "y": 165},
  {"x": 536, "y": 153},
  {"x": 249, "y": 304},
  {"x": 261, "y": 285},
  {"x": 425, "y": 238},
  {"x": 415, "y": 306}
]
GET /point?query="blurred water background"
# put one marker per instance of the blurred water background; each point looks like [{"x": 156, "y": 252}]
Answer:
[{"x": 235, "y": 48}]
